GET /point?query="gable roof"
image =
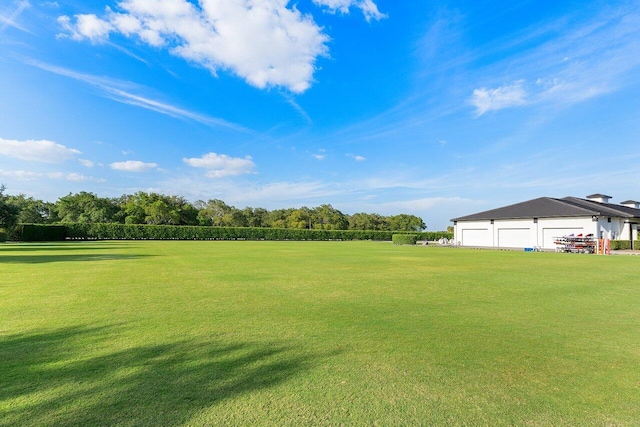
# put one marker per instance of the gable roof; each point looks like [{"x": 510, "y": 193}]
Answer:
[{"x": 549, "y": 207}]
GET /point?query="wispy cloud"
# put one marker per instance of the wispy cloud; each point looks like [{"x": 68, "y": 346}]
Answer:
[
  {"x": 498, "y": 98},
  {"x": 553, "y": 64},
  {"x": 356, "y": 157},
  {"x": 420, "y": 205},
  {"x": 282, "y": 192},
  {"x": 582, "y": 60},
  {"x": 10, "y": 18},
  {"x": 320, "y": 155},
  {"x": 22, "y": 175},
  {"x": 291, "y": 101},
  {"x": 123, "y": 92}
]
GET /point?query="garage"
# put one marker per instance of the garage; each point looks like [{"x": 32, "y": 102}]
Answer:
[
  {"x": 476, "y": 237},
  {"x": 537, "y": 222},
  {"x": 514, "y": 237}
]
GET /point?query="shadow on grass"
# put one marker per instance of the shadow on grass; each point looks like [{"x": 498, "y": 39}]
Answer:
[
  {"x": 49, "y": 379},
  {"x": 40, "y": 259},
  {"x": 71, "y": 246}
]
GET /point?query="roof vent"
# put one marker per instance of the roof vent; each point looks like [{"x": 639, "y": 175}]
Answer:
[
  {"x": 600, "y": 198},
  {"x": 631, "y": 204}
]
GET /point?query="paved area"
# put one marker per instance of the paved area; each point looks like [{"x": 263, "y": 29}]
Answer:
[{"x": 626, "y": 252}]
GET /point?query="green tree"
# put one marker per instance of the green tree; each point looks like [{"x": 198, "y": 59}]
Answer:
[
  {"x": 214, "y": 212},
  {"x": 256, "y": 217},
  {"x": 299, "y": 218},
  {"x": 326, "y": 217},
  {"x": 404, "y": 222},
  {"x": 278, "y": 218},
  {"x": 234, "y": 218},
  {"x": 86, "y": 207},
  {"x": 8, "y": 212},
  {"x": 366, "y": 221},
  {"x": 158, "y": 209},
  {"x": 159, "y": 212},
  {"x": 132, "y": 207},
  {"x": 32, "y": 211}
]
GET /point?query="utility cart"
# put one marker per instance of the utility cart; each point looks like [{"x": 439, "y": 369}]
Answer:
[{"x": 576, "y": 244}]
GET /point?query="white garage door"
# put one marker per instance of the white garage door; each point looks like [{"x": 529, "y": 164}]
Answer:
[
  {"x": 514, "y": 238},
  {"x": 548, "y": 235},
  {"x": 476, "y": 237}
]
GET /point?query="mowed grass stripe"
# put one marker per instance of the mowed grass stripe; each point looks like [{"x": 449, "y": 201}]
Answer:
[{"x": 326, "y": 333}]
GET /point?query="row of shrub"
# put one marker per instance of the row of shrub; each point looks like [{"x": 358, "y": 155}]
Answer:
[
  {"x": 624, "y": 244},
  {"x": 404, "y": 239},
  {"x": 38, "y": 232}
]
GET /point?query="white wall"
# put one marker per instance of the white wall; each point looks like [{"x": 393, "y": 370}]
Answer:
[{"x": 615, "y": 230}]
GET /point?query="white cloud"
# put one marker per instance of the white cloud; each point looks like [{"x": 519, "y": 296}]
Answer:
[
  {"x": 296, "y": 192},
  {"x": 86, "y": 26},
  {"x": 357, "y": 158},
  {"x": 570, "y": 62},
  {"x": 75, "y": 177},
  {"x": 86, "y": 163},
  {"x": 263, "y": 42},
  {"x": 496, "y": 99},
  {"x": 417, "y": 205},
  {"x": 22, "y": 175},
  {"x": 133, "y": 166},
  {"x": 319, "y": 156},
  {"x": 38, "y": 151},
  {"x": 368, "y": 7},
  {"x": 221, "y": 165}
]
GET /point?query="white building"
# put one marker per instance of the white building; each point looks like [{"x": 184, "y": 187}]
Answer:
[{"x": 536, "y": 222}]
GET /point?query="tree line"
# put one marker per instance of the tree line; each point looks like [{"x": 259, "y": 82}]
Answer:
[{"x": 158, "y": 209}]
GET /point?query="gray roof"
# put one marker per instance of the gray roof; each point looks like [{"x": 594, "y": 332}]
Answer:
[{"x": 549, "y": 207}]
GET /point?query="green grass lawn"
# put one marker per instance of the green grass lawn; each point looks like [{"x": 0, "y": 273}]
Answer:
[{"x": 315, "y": 333}]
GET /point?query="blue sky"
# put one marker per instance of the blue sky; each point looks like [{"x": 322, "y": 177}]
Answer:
[{"x": 438, "y": 109}]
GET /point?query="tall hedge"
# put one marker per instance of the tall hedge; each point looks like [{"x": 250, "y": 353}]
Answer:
[
  {"x": 624, "y": 244},
  {"x": 40, "y": 233},
  {"x": 404, "y": 239},
  {"x": 169, "y": 232}
]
